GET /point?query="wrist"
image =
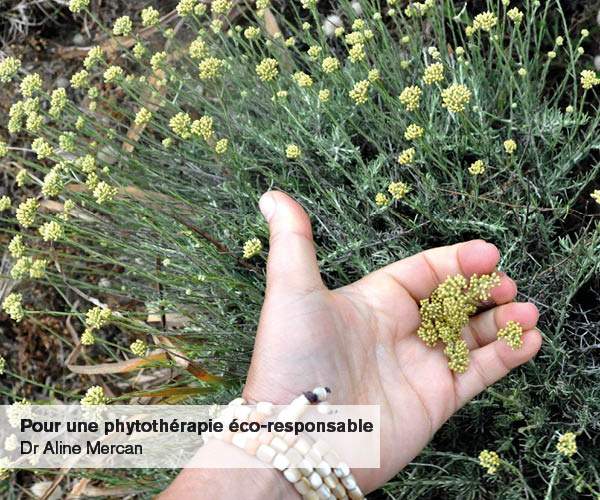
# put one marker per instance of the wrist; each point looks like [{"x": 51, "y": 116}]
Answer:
[{"x": 208, "y": 484}]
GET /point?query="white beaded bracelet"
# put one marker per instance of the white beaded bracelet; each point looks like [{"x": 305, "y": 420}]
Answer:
[{"x": 313, "y": 468}]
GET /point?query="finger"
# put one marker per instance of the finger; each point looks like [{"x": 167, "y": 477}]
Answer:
[
  {"x": 292, "y": 262},
  {"x": 423, "y": 272},
  {"x": 483, "y": 328},
  {"x": 492, "y": 362},
  {"x": 505, "y": 292}
]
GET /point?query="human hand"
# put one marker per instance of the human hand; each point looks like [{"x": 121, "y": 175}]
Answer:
[{"x": 360, "y": 340}]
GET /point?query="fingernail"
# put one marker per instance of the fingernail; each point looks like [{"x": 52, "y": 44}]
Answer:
[{"x": 267, "y": 206}]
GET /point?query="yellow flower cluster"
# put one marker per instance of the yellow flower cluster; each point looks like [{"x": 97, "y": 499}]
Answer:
[
  {"x": 31, "y": 84},
  {"x": 203, "y": 127},
  {"x": 139, "y": 348},
  {"x": 252, "y": 247},
  {"x": 567, "y": 444},
  {"x": 510, "y": 146},
  {"x": 158, "y": 60},
  {"x": 22, "y": 177},
  {"x": 94, "y": 56},
  {"x": 267, "y": 70},
  {"x": 77, "y": 6},
  {"x": 5, "y": 203},
  {"x": 302, "y": 79},
  {"x": 324, "y": 95},
  {"x": 21, "y": 268},
  {"x": 104, "y": 192},
  {"x": 263, "y": 4},
  {"x": 58, "y": 102},
  {"x": 86, "y": 163},
  {"x": 13, "y": 306},
  {"x": 357, "y": 53},
  {"x": 330, "y": 65},
  {"x": 51, "y": 231},
  {"x": 293, "y": 152},
  {"x": 97, "y": 317},
  {"x": 66, "y": 141},
  {"x": 381, "y": 200},
  {"x": 9, "y": 68},
  {"x": 198, "y": 49},
  {"x": 407, "y": 156},
  {"x": 123, "y": 26},
  {"x": 94, "y": 396},
  {"x": 418, "y": 8},
  {"x": 489, "y": 460},
  {"x": 181, "y": 124},
  {"x": 16, "y": 246},
  {"x": 398, "y": 190},
  {"x": 477, "y": 167},
  {"x": 446, "y": 312},
  {"x": 88, "y": 338},
  {"x": 113, "y": 74},
  {"x": 80, "y": 80},
  {"x": 485, "y": 21},
  {"x": 596, "y": 195},
  {"x": 589, "y": 79},
  {"x": 355, "y": 38},
  {"x": 186, "y": 7},
  {"x": 456, "y": 97},
  {"x": 252, "y": 32},
  {"x": 221, "y": 146},
  {"x": 413, "y": 132},
  {"x": 360, "y": 92},
  {"x": 515, "y": 15},
  {"x": 512, "y": 334},
  {"x": 314, "y": 52},
  {"x": 26, "y": 212},
  {"x": 221, "y": 6},
  {"x": 410, "y": 97},
  {"x": 210, "y": 68},
  {"x": 434, "y": 73},
  {"x": 457, "y": 353},
  {"x": 150, "y": 17},
  {"x": 38, "y": 268},
  {"x": 142, "y": 117}
]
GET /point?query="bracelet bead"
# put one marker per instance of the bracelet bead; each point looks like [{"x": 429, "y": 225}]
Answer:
[
  {"x": 302, "y": 445},
  {"x": 315, "y": 480},
  {"x": 279, "y": 444},
  {"x": 302, "y": 486},
  {"x": 349, "y": 482},
  {"x": 265, "y": 453},
  {"x": 324, "y": 492},
  {"x": 356, "y": 494},
  {"x": 292, "y": 474},
  {"x": 342, "y": 470},
  {"x": 281, "y": 462}
]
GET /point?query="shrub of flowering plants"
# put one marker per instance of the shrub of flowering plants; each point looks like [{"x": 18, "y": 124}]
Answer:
[{"x": 399, "y": 126}]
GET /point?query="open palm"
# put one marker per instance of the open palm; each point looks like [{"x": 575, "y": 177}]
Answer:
[{"x": 360, "y": 340}]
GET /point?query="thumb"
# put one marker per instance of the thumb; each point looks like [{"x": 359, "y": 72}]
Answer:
[{"x": 292, "y": 263}]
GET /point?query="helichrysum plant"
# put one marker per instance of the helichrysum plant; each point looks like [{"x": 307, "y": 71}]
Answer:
[{"x": 398, "y": 125}]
